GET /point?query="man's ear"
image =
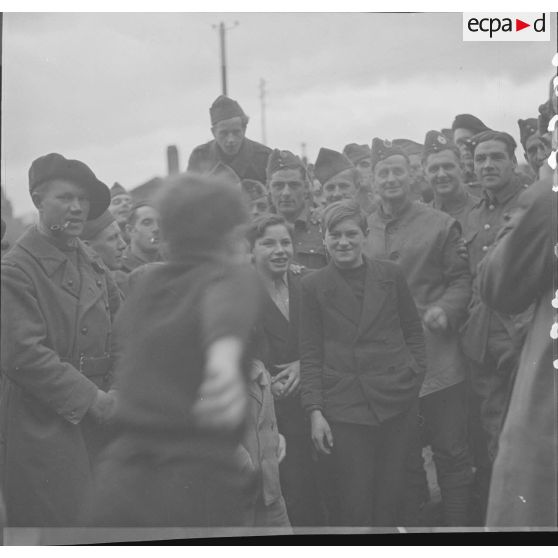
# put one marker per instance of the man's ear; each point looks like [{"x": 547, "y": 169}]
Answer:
[
  {"x": 213, "y": 132},
  {"x": 37, "y": 199}
]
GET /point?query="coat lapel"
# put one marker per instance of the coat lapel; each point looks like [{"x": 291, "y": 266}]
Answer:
[
  {"x": 375, "y": 290},
  {"x": 339, "y": 295}
]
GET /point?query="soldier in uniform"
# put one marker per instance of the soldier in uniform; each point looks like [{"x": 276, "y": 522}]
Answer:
[
  {"x": 57, "y": 307},
  {"x": 289, "y": 191},
  {"x": 104, "y": 236},
  {"x": 445, "y": 172},
  {"x": 491, "y": 340},
  {"x": 255, "y": 196},
  {"x": 230, "y": 145},
  {"x": 120, "y": 206},
  {"x": 536, "y": 146},
  {"x": 464, "y": 127},
  {"x": 339, "y": 178},
  {"x": 426, "y": 243},
  {"x": 143, "y": 229},
  {"x": 420, "y": 188}
]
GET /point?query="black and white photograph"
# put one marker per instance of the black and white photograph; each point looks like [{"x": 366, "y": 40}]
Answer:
[{"x": 275, "y": 274}]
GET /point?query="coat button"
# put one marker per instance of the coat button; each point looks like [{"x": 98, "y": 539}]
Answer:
[
  {"x": 98, "y": 283},
  {"x": 491, "y": 207},
  {"x": 70, "y": 282},
  {"x": 484, "y": 248},
  {"x": 394, "y": 255},
  {"x": 486, "y": 227},
  {"x": 84, "y": 330}
]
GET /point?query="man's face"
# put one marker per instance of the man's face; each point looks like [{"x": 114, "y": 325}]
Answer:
[
  {"x": 344, "y": 243},
  {"x": 110, "y": 246},
  {"x": 66, "y": 205},
  {"x": 392, "y": 178},
  {"x": 120, "y": 207},
  {"x": 273, "y": 251},
  {"x": 288, "y": 192},
  {"x": 537, "y": 151},
  {"x": 493, "y": 166},
  {"x": 364, "y": 167},
  {"x": 340, "y": 187},
  {"x": 145, "y": 232},
  {"x": 444, "y": 173},
  {"x": 258, "y": 207},
  {"x": 460, "y": 135},
  {"x": 229, "y": 135}
]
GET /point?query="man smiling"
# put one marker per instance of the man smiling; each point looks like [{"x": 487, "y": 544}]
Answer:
[{"x": 337, "y": 175}]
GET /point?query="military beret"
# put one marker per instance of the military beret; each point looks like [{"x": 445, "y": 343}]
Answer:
[
  {"x": 224, "y": 108},
  {"x": 253, "y": 189},
  {"x": 489, "y": 135},
  {"x": 117, "y": 190},
  {"x": 469, "y": 122},
  {"x": 435, "y": 141},
  {"x": 356, "y": 152},
  {"x": 225, "y": 173},
  {"x": 448, "y": 132},
  {"x": 329, "y": 163},
  {"x": 409, "y": 146},
  {"x": 281, "y": 159},
  {"x": 527, "y": 128},
  {"x": 196, "y": 212},
  {"x": 382, "y": 149},
  {"x": 56, "y": 166},
  {"x": 94, "y": 227}
]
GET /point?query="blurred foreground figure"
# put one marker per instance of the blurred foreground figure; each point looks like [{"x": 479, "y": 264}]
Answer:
[
  {"x": 57, "y": 306},
  {"x": 519, "y": 271},
  {"x": 182, "y": 378}
]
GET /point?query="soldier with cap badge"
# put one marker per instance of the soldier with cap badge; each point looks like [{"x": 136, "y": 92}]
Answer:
[
  {"x": 537, "y": 146},
  {"x": 57, "y": 306},
  {"x": 426, "y": 243},
  {"x": 289, "y": 192},
  {"x": 230, "y": 145},
  {"x": 339, "y": 178}
]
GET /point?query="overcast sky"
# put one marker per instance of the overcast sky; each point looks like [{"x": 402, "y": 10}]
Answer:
[{"x": 113, "y": 90}]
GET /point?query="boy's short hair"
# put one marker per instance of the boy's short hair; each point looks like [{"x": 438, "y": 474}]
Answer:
[
  {"x": 257, "y": 228},
  {"x": 341, "y": 210}
]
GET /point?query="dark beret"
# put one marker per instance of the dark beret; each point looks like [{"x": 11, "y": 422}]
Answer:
[
  {"x": 117, "y": 190},
  {"x": 527, "y": 128},
  {"x": 356, "y": 152},
  {"x": 494, "y": 135},
  {"x": 469, "y": 122},
  {"x": 435, "y": 142},
  {"x": 224, "y": 108},
  {"x": 382, "y": 149},
  {"x": 196, "y": 212},
  {"x": 253, "y": 189},
  {"x": 329, "y": 163},
  {"x": 56, "y": 166},
  {"x": 281, "y": 159},
  {"x": 94, "y": 227},
  {"x": 409, "y": 146}
]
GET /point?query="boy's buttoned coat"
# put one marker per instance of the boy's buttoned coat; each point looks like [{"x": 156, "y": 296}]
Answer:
[{"x": 360, "y": 364}]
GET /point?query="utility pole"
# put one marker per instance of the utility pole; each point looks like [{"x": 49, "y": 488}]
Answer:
[
  {"x": 262, "y": 100},
  {"x": 223, "y": 48},
  {"x": 303, "y": 153}
]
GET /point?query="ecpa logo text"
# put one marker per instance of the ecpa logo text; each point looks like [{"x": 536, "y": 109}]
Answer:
[{"x": 506, "y": 27}]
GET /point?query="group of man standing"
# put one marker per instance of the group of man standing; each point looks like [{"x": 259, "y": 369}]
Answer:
[{"x": 382, "y": 321}]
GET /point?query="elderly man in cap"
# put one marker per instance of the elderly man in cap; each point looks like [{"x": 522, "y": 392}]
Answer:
[
  {"x": 426, "y": 243},
  {"x": 103, "y": 235},
  {"x": 289, "y": 192},
  {"x": 536, "y": 146},
  {"x": 445, "y": 173},
  {"x": 492, "y": 340},
  {"x": 230, "y": 145},
  {"x": 143, "y": 230},
  {"x": 464, "y": 127},
  {"x": 57, "y": 306},
  {"x": 420, "y": 188}
]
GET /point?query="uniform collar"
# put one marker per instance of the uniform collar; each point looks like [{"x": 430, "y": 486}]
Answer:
[
  {"x": 504, "y": 195},
  {"x": 48, "y": 255},
  {"x": 402, "y": 211},
  {"x": 455, "y": 204}
]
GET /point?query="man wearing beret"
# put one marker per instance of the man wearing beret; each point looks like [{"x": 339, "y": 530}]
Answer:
[
  {"x": 230, "y": 145},
  {"x": 426, "y": 243},
  {"x": 104, "y": 237},
  {"x": 445, "y": 173},
  {"x": 339, "y": 178},
  {"x": 57, "y": 307},
  {"x": 289, "y": 192},
  {"x": 536, "y": 146},
  {"x": 420, "y": 188},
  {"x": 492, "y": 340},
  {"x": 464, "y": 127}
]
